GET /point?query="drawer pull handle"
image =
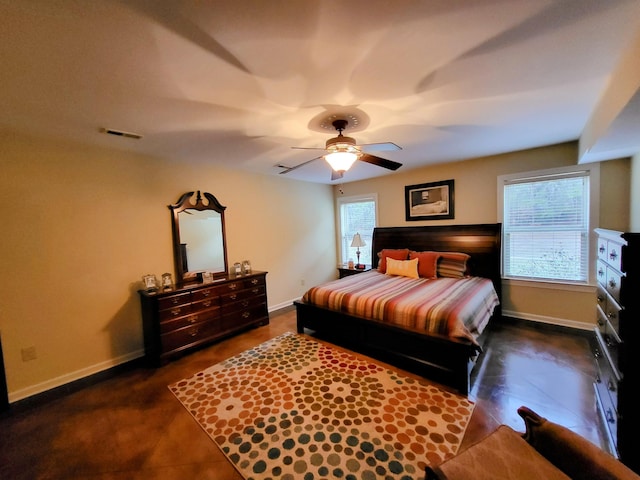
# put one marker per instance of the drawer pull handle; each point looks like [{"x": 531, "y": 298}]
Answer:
[
  {"x": 255, "y": 290},
  {"x": 175, "y": 312},
  {"x": 612, "y": 283},
  {"x": 601, "y": 249},
  {"x": 194, "y": 333},
  {"x": 611, "y": 315},
  {"x": 206, "y": 293},
  {"x": 245, "y": 303},
  {"x": 174, "y": 300},
  {"x": 207, "y": 303},
  {"x": 600, "y": 272},
  {"x": 598, "y": 379},
  {"x": 611, "y": 386},
  {"x": 233, "y": 286},
  {"x": 600, "y": 299},
  {"x": 245, "y": 314},
  {"x": 596, "y": 353},
  {"x": 613, "y": 255},
  {"x": 609, "y": 416},
  {"x": 254, "y": 281},
  {"x": 193, "y": 319},
  {"x": 600, "y": 323},
  {"x": 233, "y": 297}
]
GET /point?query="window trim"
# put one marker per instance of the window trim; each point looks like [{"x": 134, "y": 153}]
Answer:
[
  {"x": 352, "y": 199},
  {"x": 594, "y": 215}
]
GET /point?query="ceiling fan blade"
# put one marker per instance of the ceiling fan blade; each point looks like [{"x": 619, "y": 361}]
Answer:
[
  {"x": 288, "y": 169},
  {"x": 380, "y": 147},
  {"x": 336, "y": 175},
  {"x": 381, "y": 162},
  {"x": 308, "y": 148}
]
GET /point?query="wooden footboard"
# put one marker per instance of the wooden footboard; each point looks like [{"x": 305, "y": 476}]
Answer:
[{"x": 442, "y": 359}]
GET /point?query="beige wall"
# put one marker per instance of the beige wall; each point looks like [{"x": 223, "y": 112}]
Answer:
[
  {"x": 476, "y": 202},
  {"x": 81, "y": 226}
]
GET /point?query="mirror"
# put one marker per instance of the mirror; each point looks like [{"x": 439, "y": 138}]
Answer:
[{"x": 199, "y": 242}]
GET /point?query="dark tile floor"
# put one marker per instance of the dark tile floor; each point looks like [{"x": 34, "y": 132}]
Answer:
[{"x": 131, "y": 427}]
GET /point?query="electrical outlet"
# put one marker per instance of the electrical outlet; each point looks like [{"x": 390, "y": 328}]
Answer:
[{"x": 29, "y": 353}]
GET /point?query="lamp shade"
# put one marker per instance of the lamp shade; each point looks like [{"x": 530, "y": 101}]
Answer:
[
  {"x": 357, "y": 241},
  {"x": 341, "y": 161}
]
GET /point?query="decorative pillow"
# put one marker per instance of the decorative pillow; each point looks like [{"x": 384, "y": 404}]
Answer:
[
  {"x": 403, "y": 268},
  {"x": 453, "y": 264},
  {"x": 396, "y": 254},
  {"x": 427, "y": 263}
]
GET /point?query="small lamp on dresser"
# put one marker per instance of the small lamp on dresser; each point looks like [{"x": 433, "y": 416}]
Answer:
[{"x": 358, "y": 242}]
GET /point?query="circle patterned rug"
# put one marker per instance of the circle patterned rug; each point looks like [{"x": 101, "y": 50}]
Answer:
[{"x": 294, "y": 408}]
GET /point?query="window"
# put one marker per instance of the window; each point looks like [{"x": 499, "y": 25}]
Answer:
[
  {"x": 547, "y": 218},
  {"x": 356, "y": 215}
]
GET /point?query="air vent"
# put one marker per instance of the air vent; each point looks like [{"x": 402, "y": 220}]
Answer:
[{"x": 120, "y": 133}]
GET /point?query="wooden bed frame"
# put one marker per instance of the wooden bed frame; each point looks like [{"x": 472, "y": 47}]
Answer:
[{"x": 444, "y": 359}]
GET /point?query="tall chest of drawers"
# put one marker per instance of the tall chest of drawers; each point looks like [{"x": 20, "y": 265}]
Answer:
[
  {"x": 618, "y": 317},
  {"x": 190, "y": 316}
]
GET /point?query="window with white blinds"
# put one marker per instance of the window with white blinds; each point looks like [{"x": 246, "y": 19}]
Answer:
[
  {"x": 356, "y": 214},
  {"x": 546, "y": 227}
]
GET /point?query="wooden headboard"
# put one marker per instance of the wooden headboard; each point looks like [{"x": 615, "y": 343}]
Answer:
[{"x": 482, "y": 242}]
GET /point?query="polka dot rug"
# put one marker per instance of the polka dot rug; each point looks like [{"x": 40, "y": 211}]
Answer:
[{"x": 294, "y": 408}]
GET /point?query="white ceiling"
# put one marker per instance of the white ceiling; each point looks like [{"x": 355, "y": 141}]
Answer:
[{"x": 238, "y": 83}]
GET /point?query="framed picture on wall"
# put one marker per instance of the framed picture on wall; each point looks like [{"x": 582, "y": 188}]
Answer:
[{"x": 429, "y": 201}]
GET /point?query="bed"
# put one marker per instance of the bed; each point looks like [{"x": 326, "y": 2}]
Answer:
[{"x": 386, "y": 328}]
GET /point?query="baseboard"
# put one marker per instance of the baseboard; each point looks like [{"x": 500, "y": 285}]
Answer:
[
  {"x": 560, "y": 322},
  {"x": 72, "y": 377},
  {"x": 282, "y": 305}
]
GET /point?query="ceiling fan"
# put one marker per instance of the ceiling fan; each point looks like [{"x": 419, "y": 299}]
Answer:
[{"x": 342, "y": 152}]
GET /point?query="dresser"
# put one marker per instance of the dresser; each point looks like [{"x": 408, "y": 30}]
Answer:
[
  {"x": 193, "y": 315},
  {"x": 618, "y": 314}
]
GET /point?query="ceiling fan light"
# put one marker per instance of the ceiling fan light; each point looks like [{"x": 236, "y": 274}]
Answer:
[{"x": 341, "y": 161}]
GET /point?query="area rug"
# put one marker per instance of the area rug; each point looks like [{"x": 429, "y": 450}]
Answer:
[{"x": 295, "y": 408}]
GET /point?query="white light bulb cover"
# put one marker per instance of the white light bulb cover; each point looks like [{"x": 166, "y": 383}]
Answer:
[{"x": 341, "y": 161}]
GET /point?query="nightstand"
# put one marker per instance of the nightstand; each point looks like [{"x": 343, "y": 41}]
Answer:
[{"x": 343, "y": 271}]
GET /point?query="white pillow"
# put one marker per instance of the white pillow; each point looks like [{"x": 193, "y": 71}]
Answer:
[{"x": 404, "y": 268}]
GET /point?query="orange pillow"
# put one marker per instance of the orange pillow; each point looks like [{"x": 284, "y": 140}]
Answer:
[
  {"x": 396, "y": 254},
  {"x": 427, "y": 263}
]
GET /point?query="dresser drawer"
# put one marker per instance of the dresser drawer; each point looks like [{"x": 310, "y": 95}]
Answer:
[
  {"x": 188, "y": 336},
  {"x": 609, "y": 339},
  {"x": 614, "y": 255},
  {"x": 188, "y": 320},
  {"x": 254, "y": 282},
  {"x": 601, "y": 273},
  {"x": 176, "y": 300},
  {"x": 607, "y": 379},
  {"x": 174, "y": 312},
  {"x": 205, "y": 304},
  {"x": 232, "y": 297},
  {"x": 244, "y": 315},
  {"x": 614, "y": 280}
]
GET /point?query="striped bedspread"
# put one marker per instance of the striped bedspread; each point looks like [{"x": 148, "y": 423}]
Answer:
[{"x": 446, "y": 306}]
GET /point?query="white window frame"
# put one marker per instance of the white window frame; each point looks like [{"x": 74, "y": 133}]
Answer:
[
  {"x": 593, "y": 170},
  {"x": 339, "y": 227}
]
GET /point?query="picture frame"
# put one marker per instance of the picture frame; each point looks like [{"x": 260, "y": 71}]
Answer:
[
  {"x": 150, "y": 282},
  {"x": 207, "y": 277},
  {"x": 429, "y": 201},
  {"x": 167, "y": 281}
]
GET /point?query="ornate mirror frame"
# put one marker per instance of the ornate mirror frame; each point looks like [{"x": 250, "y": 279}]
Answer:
[{"x": 217, "y": 246}]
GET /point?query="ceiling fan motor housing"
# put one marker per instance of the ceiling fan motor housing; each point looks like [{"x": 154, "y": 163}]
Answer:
[{"x": 341, "y": 143}]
